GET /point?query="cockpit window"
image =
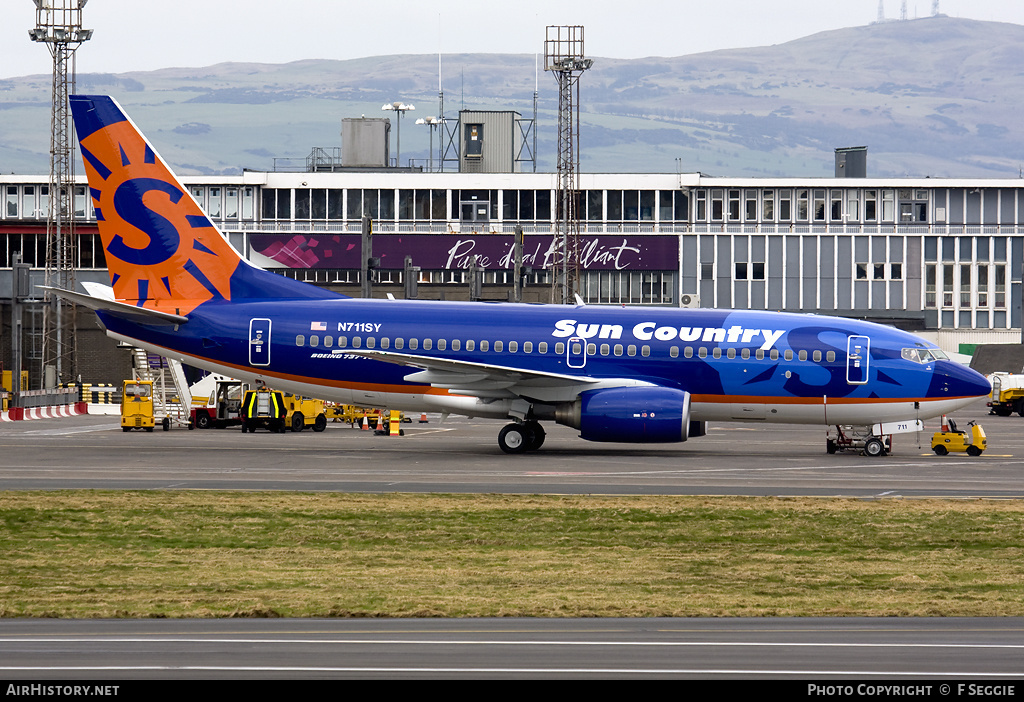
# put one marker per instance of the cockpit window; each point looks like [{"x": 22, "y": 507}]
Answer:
[{"x": 924, "y": 355}]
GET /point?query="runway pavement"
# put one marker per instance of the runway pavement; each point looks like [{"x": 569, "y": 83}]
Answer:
[
  {"x": 461, "y": 455},
  {"x": 919, "y": 651}
]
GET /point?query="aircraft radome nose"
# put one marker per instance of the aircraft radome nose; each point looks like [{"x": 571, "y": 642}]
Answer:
[
  {"x": 960, "y": 381},
  {"x": 982, "y": 384}
]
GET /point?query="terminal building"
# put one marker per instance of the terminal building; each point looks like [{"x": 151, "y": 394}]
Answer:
[{"x": 939, "y": 256}]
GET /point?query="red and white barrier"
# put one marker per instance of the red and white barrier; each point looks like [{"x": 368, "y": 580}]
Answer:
[{"x": 19, "y": 413}]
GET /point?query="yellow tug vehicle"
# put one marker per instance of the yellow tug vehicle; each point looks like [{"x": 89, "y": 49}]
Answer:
[
  {"x": 953, "y": 440},
  {"x": 137, "y": 405},
  {"x": 263, "y": 408}
]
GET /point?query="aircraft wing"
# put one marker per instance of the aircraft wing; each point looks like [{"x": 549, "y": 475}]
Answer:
[{"x": 492, "y": 381}]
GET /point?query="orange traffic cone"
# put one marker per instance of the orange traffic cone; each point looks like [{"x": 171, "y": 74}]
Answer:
[
  {"x": 366, "y": 423},
  {"x": 423, "y": 418},
  {"x": 945, "y": 424}
]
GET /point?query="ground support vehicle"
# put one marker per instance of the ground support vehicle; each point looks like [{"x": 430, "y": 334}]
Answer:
[
  {"x": 874, "y": 440},
  {"x": 7, "y": 383},
  {"x": 950, "y": 439},
  {"x": 263, "y": 408},
  {"x": 353, "y": 415},
  {"x": 848, "y": 438},
  {"x": 350, "y": 414},
  {"x": 1007, "y": 394},
  {"x": 223, "y": 409},
  {"x": 137, "y": 406},
  {"x": 304, "y": 412},
  {"x": 390, "y": 424}
]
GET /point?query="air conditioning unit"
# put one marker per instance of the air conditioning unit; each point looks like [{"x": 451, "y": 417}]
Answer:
[{"x": 690, "y": 300}]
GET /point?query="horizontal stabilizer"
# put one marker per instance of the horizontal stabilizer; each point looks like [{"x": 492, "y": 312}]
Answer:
[{"x": 139, "y": 315}]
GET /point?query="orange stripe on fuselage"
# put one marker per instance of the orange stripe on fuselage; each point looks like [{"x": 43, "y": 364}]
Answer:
[
  {"x": 811, "y": 401},
  {"x": 310, "y": 380},
  {"x": 700, "y": 399}
]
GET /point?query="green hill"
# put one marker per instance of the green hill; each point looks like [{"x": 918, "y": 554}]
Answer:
[{"x": 935, "y": 96}]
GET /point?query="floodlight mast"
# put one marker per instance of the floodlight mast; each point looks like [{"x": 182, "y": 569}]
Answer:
[
  {"x": 431, "y": 122},
  {"x": 564, "y": 56},
  {"x": 401, "y": 108},
  {"x": 59, "y": 27}
]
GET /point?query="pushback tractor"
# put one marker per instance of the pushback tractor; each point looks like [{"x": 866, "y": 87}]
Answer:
[
  {"x": 263, "y": 408},
  {"x": 953, "y": 440},
  {"x": 137, "y": 405}
]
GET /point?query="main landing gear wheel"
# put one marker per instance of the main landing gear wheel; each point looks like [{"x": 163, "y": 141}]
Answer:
[
  {"x": 874, "y": 447},
  {"x": 538, "y": 435},
  {"x": 515, "y": 438},
  {"x": 519, "y": 438}
]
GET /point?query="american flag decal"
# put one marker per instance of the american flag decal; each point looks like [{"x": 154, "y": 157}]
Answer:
[{"x": 318, "y": 326}]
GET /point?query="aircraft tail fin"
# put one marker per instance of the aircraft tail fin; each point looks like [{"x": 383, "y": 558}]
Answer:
[{"x": 162, "y": 251}]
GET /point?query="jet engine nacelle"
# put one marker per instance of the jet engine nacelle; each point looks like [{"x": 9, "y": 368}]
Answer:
[{"x": 639, "y": 415}]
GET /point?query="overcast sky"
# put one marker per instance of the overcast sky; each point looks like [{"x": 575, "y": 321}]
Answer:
[{"x": 149, "y": 34}]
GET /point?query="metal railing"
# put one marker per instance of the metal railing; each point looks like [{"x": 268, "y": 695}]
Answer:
[
  {"x": 507, "y": 227},
  {"x": 48, "y": 397}
]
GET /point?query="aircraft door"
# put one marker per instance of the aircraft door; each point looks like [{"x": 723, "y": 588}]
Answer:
[
  {"x": 576, "y": 352},
  {"x": 259, "y": 342},
  {"x": 857, "y": 355}
]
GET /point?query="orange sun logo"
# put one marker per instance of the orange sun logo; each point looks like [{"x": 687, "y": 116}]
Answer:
[{"x": 162, "y": 250}]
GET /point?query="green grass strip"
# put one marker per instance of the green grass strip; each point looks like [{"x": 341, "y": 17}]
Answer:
[{"x": 218, "y": 554}]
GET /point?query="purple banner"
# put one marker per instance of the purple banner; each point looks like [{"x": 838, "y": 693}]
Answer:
[{"x": 651, "y": 252}]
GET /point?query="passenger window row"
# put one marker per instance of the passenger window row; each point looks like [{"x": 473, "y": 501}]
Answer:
[{"x": 576, "y": 348}]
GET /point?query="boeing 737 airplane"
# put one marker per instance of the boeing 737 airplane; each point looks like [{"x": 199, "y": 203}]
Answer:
[{"x": 617, "y": 374}]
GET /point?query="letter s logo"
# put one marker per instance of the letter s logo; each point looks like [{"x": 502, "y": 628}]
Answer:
[
  {"x": 565, "y": 327},
  {"x": 829, "y": 377},
  {"x": 163, "y": 235}
]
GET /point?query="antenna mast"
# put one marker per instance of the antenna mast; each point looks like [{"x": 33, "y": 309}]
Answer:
[
  {"x": 563, "y": 56},
  {"x": 59, "y": 26}
]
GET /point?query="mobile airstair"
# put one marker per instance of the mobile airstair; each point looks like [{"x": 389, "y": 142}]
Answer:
[{"x": 172, "y": 398}]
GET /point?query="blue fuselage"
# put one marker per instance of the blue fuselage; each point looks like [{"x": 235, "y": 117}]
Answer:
[{"x": 735, "y": 364}]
